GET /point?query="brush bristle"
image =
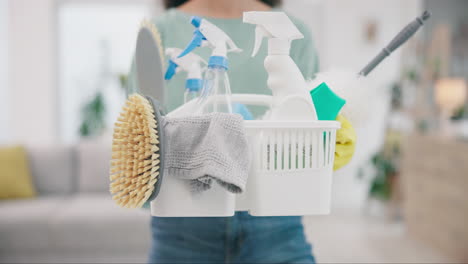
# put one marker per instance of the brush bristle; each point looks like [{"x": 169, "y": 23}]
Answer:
[{"x": 134, "y": 166}]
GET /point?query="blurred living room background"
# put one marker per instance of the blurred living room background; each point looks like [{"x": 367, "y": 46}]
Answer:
[{"x": 63, "y": 68}]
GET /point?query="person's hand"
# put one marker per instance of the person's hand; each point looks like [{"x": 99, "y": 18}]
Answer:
[{"x": 345, "y": 143}]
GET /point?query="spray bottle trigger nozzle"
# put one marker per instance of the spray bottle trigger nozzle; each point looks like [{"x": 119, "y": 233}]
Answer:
[
  {"x": 260, "y": 32},
  {"x": 195, "y": 21},
  {"x": 171, "y": 70},
  {"x": 197, "y": 41}
]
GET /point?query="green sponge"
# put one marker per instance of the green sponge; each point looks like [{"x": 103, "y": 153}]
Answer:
[{"x": 327, "y": 103}]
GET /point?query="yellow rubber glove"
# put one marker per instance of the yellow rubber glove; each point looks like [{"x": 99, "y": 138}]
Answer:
[{"x": 345, "y": 143}]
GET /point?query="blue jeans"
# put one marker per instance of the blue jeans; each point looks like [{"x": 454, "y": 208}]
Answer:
[{"x": 239, "y": 239}]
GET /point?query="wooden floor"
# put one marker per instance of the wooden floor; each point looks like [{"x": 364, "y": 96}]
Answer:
[{"x": 351, "y": 236}]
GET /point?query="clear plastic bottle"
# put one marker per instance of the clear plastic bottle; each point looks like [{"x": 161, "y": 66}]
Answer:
[
  {"x": 216, "y": 87},
  {"x": 192, "y": 89},
  {"x": 190, "y": 95}
]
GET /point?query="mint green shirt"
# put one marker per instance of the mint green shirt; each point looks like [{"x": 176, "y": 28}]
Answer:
[{"x": 246, "y": 73}]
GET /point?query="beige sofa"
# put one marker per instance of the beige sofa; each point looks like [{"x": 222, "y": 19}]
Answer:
[{"x": 73, "y": 219}]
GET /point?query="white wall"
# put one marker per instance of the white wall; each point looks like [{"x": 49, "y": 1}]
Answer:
[
  {"x": 3, "y": 70},
  {"x": 338, "y": 30},
  {"x": 32, "y": 90}
]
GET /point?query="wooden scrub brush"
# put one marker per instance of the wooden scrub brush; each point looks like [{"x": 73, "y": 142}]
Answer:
[{"x": 137, "y": 153}]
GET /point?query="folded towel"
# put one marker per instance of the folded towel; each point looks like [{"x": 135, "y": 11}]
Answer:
[{"x": 207, "y": 148}]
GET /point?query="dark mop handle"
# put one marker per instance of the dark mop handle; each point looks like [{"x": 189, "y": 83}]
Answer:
[{"x": 399, "y": 39}]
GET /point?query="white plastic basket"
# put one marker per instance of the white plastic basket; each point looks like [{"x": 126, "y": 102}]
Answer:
[
  {"x": 292, "y": 167},
  {"x": 176, "y": 199},
  {"x": 290, "y": 174}
]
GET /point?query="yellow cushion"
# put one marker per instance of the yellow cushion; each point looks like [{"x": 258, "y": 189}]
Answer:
[
  {"x": 15, "y": 177},
  {"x": 345, "y": 143}
]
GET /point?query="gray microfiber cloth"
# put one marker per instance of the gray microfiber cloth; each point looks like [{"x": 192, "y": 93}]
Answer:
[{"x": 208, "y": 148}]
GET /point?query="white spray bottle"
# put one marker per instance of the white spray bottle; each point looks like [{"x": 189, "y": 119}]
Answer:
[
  {"x": 192, "y": 64},
  {"x": 291, "y": 98},
  {"x": 216, "y": 81}
]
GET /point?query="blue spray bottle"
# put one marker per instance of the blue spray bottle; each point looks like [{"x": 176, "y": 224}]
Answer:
[{"x": 216, "y": 93}]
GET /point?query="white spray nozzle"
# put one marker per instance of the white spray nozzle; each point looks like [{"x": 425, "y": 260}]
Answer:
[
  {"x": 192, "y": 64},
  {"x": 273, "y": 25},
  {"x": 212, "y": 36}
]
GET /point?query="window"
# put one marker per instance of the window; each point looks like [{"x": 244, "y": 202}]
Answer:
[{"x": 96, "y": 41}]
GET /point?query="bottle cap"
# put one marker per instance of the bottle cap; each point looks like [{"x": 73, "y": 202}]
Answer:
[
  {"x": 194, "y": 85},
  {"x": 218, "y": 61}
]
